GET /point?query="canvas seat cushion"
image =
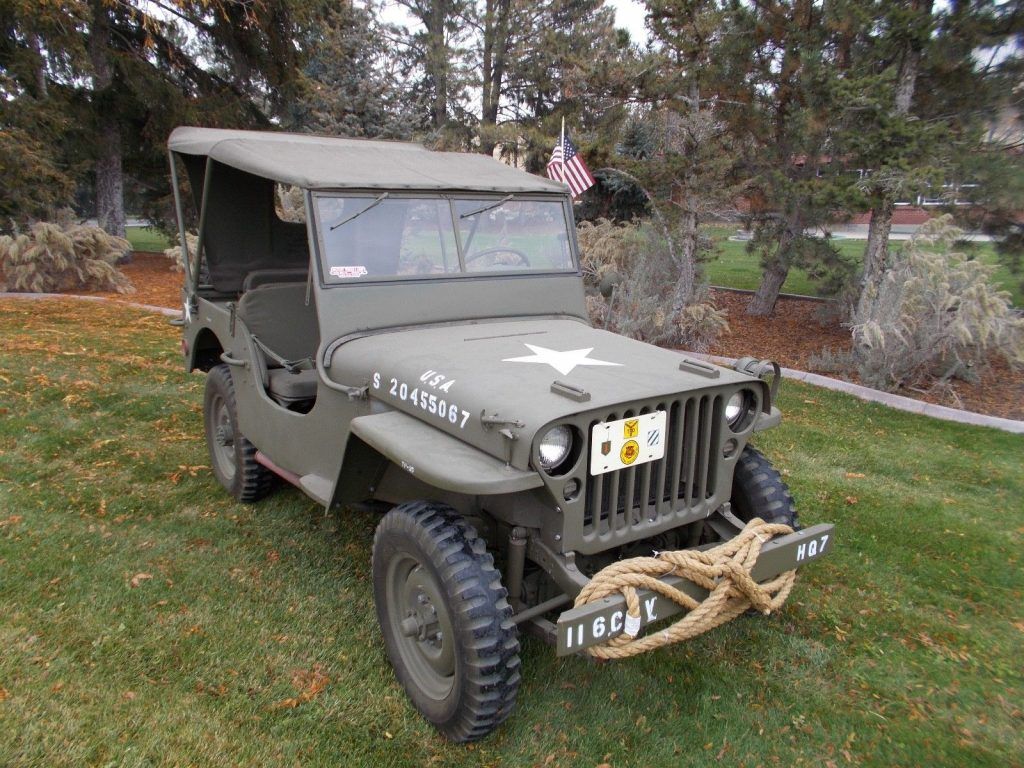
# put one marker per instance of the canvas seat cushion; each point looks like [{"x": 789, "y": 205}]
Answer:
[{"x": 292, "y": 387}]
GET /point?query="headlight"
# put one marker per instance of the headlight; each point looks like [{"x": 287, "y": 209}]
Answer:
[
  {"x": 554, "y": 447},
  {"x": 737, "y": 408}
]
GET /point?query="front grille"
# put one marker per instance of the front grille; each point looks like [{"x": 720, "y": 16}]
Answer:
[{"x": 628, "y": 504}]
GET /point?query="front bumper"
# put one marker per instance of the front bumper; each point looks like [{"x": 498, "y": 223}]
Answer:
[{"x": 598, "y": 622}]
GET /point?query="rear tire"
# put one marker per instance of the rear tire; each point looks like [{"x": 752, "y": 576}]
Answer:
[
  {"x": 232, "y": 457},
  {"x": 759, "y": 491},
  {"x": 446, "y": 622}
]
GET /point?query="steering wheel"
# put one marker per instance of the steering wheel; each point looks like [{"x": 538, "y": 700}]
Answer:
[{"x": 523, "y": 260}]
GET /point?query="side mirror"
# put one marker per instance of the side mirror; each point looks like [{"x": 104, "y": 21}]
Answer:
[{"x": 608, "y": 283}]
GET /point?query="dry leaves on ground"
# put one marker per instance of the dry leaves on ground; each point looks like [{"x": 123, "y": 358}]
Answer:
[{"x": 308, "y": 683}]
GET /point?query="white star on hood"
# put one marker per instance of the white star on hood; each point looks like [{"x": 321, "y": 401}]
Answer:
[{"x": 563, "y": 362}]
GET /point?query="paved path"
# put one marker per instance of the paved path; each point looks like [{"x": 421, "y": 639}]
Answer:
[
  {"x": 860, "y": 232},
  {"x": 864, "y": 393}
]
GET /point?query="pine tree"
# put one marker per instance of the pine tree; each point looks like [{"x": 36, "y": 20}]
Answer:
[
  {"x": 122, "y": 76},
  {"x": 352, "y": 84},
  {"x": 785, "y": 61}
]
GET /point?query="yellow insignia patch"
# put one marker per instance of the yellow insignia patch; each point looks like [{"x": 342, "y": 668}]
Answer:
[
  {"x": 630, "y": 450},
  {"x": 631, "y": 428}
]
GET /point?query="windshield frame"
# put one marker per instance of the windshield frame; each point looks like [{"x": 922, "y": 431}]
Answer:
[{"x": 317, "y": 228}]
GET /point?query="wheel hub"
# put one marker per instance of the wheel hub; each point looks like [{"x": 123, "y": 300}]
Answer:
[
  {"x": 225, "y": 436},
  {"x": 422, "y": 623}
]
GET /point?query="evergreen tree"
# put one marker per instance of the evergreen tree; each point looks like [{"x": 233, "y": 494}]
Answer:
[
  {"x": 127, "y": 75},
  {"x": 440, "y": 52},
  {"x": 352, "y": 84},
  {"x": 785, "y": 64}
]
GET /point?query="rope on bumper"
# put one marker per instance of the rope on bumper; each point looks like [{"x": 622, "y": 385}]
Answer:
[{"x": 723, "y": 570}]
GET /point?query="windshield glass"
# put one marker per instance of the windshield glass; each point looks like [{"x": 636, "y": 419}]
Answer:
[
  {"x": 376, "y": 237},
  {"x": 367, "y": 236},
  {"x": 513, "y": 234}
]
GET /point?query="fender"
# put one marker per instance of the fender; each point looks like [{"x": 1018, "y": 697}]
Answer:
[{"x": 439, "y": 459}]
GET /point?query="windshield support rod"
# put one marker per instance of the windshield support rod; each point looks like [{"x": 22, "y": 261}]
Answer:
[
  {"x": 185, "y": 256},
  {"x": 377, "y": 201},
  {"x": 201, "y": 241}
]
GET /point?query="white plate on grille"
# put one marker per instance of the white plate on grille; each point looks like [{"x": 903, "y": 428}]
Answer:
[{"x": 627, "y": 442}]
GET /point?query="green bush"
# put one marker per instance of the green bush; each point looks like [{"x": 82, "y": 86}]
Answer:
[{"x": 61, "y": 257}]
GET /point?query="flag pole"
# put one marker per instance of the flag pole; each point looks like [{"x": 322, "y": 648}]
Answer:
[{"x": 562, "y": 143}]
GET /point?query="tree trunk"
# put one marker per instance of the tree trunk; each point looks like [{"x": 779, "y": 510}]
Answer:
[
  {"x": 437, "y": 62},
  {"x": 109, "y": 172},
  {"x": 495, "y": 57},
  {"x": 876, "y": 251},
  {"x": 762, "y": 303},
  {"x": 689, "y": 231},
  {"x": 876, "y": 255},
  {"x": 37, "y": 48}
]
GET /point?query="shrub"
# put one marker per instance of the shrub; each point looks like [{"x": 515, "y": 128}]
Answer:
[
  {"x": 290, "y": 203},
  {"x": 936, "y": 316},
  {"x": 56, "y": 257},
  {"x": 174, "y": 252},
  {"x": 636, "y": 260}
]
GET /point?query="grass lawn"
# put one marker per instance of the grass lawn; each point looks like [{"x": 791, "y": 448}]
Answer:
[
  {"x": 147, "y": 239},
  {"x": 731, "y": 266},
  {"x": 146, "y": 619}
]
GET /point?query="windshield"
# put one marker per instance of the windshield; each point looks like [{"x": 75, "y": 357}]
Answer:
[{"x": 367, "y": 236}]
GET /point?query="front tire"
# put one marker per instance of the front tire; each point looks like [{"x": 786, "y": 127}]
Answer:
[
  {"x": 759, "y": 491},
  {"x": 446, "y": 622},
  {"x": 232, "y": 457}
]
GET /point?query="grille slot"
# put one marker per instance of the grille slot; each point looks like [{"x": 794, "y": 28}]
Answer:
[{"x": 623, "y": 503}]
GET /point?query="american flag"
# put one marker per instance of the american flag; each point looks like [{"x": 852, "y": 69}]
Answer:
[{"x": 567, "y": 165}]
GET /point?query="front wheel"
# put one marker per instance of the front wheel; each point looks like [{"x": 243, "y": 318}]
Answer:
[
  {"x": 446, "y": 622},
  {"x": 759, "y": 491}
]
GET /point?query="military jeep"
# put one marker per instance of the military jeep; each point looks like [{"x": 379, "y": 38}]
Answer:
[{"x": 417, "y": 341}]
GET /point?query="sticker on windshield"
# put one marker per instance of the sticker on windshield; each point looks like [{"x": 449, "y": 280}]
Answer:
[{"x": 353, "y": 271}]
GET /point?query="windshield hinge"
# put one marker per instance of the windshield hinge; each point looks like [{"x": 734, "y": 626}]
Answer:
[{"x": 497, "y": 421}]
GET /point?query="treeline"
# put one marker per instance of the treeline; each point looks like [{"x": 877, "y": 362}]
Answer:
[{"x": 787, "y": 114}]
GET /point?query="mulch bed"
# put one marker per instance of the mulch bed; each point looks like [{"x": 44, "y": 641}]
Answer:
[
  {"x": 794, "y": 334},
  {"x": 791, "y": 336}
]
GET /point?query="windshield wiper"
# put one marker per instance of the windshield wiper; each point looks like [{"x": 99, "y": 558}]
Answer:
[
  {"x": 376, "y": 201},
  {"x": 487, "y": 207}
]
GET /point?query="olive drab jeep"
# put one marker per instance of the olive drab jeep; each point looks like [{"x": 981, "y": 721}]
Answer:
[{"x": 416, "y": 340}]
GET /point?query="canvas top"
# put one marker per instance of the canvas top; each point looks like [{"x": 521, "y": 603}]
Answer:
[{"x": 320, "y": 162}]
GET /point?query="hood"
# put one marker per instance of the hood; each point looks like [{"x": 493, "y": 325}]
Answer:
[{"x": 473, "y": 380}]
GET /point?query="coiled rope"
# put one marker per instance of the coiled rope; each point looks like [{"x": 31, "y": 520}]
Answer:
[{"x": 723, "y": 570}]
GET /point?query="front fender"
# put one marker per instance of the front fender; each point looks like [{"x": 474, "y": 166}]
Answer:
[{"x": 437, "y": 458}]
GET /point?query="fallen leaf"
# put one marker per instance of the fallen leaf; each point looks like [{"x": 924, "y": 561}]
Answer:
[
  {"x": 128, "y": 695},
  {"x": 138, "y": 578},
  {"x": 851, "y": 500},
  {"x": 310, "y": 683},
  {"x": 4, "y": 694},
  {"x": 853, "y": 475}
]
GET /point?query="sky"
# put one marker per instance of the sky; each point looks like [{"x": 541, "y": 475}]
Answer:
[{"x": 628, "y": 14}]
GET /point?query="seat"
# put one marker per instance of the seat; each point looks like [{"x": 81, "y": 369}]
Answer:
[
  {"x": 286, "y": 331},
  {"x": 287, "y": 387}
]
